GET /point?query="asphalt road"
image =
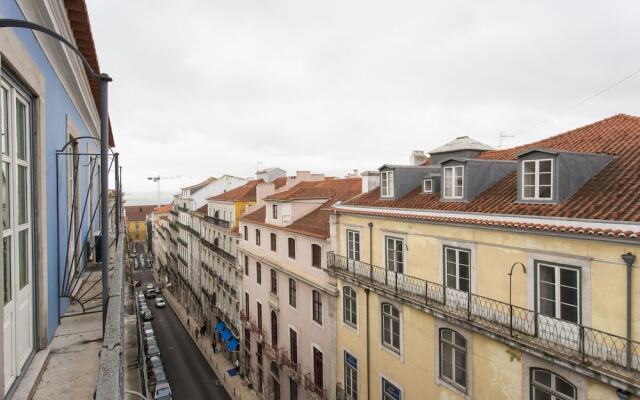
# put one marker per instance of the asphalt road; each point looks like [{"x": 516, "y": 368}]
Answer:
[{"x": 188, "y": 372}]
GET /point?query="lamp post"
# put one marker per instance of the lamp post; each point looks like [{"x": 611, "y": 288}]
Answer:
[
  {"x": 524, "y": 269},
  {"x": 104, "y": 80}
]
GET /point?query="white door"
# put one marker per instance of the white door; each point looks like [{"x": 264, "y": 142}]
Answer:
[{"x": 17, "y": 241}]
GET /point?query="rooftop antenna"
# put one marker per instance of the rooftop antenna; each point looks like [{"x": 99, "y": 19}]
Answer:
[{"x": 503, "y": 136}]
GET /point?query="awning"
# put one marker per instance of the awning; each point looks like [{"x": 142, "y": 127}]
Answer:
[
  {"x": 220, "y": 327},
  {"x": 226, "y": 335},
  {"x": 233, "y": 345}
]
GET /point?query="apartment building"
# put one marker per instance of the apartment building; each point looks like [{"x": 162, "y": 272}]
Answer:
[
  {"x": 222, "y": 280},
  {"x": 289, "y": 300},
  {"x": 185, "y": 221},
  {"x": 50, "y": 129},
  {"x": 494, "y": 274},
  {"x": 137, "y": 221}
]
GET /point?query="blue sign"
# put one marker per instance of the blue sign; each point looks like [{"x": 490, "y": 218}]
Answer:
[
  {"x": 390, "y": 390},
  {"x": 350, "y": 360}
]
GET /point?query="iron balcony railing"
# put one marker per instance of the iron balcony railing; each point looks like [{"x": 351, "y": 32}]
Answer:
[
  {"x": 174, "y": 212},
  {"x": 173, "y": 226},
  {"x": 183, "y": 209},
  {"x": 217, "y": 221},
  {"x": 316, "y": 392},
  {"x": 219, "y": 251},
  {"x": 182, "y": 242},
  {"x": 600, "y": 351}
]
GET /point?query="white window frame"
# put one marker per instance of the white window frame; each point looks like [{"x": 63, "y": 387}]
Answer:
[
  {"x": 353, "y": 245},
  {"x": 346, "y": 316},
  {"x": 274, "y": 211},
  {"x": 383, "y": 395},
  {"x": 386, "y": 184},
  {"x": 388, "y": 262},
  {"x": 558, "y": 286},
  {"x": 536, "y": 183},
  {"x": 350, "y": 389},
  {"x": 445, "y": 273},
  {"x": 450, "y": 182},
  {"x": 555, "y": 395},
  {"x": 430, "y": 186},
  {"x": 389, "y": 315},
  {"x": 452, "y": 381}
]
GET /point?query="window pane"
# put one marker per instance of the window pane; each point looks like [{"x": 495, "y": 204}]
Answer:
[
  {"x": 545, "y": 179},
  {"x": 5, "y": 121},
  {"x": 529, "y": 179},
  {"x": 547, "y": 274},
  {"x": 569, "y": 295},
  {"x": 569, "y": 313},
  {"x": 547, "y": 291},
  {"x": 463, "y": 258},
  {"x": 6, "y": 199},
  {"x": 542, "y": 377},
  {"x": 547, "y": 307},
  {"x": 21, "y": 130},
  {"x": 569, "y": 277},
  {"x": 540, "y": 395},
  {"x": 545, "y": 166},
  {"x": 463, "y": 285},
  {"x": 447, "y": 360},
  {"x": 545, "y": 192},
  {"x": 6, "y": 251},
  {"x": 460, "y": 340},
  {"x": 23, "y": 246},
  {"x": 22, "y": 194},
  {"x": 529, "y": 191},
  {"x": 564, "y": 387},
  {"x": 529, "y": 166}
]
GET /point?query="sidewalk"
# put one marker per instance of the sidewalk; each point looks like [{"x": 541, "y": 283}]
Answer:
[{"x": 217, "y": 361}]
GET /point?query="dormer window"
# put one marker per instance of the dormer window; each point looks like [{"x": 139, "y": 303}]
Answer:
[
  {"x": 453, "y": 182},
  {"x": 386, "y": 184},
  {"x": 274, "y": 211},
  {"x": 427, "y": 186},
  {"x": 537, "y": 176}
]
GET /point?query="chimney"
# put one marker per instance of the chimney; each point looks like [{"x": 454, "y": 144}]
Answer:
[
  {"x": 370, "y": 180},
  {"x": 417, "y": 157}
]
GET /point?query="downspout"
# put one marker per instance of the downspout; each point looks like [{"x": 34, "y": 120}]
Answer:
[
  {"x": 629, "y": 259},
  {"x": 366, "y": 291}
]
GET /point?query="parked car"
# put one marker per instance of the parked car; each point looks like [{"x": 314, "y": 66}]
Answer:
[
  {"x": 143, "y": 309},
  {"x": 160, "y": 302},
  {"x": 149, "y": 333},
  {"x": 147, "y": 316},
  {"x": 158, "y": 290},
  {"x": 150, "y": 294},
  {"x": 153, "y": 363},
  {"x": 149, "y": 286},
  {"x": 147, "y": 325},
  {"x": 163, "y": 392},
  {"x": 153, "y": 351},
  {"x": 150, "y": 341},
  {"x": 158, "y": 376},
  {"x": 141, "y": 295}
]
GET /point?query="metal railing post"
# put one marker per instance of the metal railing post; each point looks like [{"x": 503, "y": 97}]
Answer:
[
  {"x": 468, "y": 305},
  {"x": 511, "y": 319},
  {"x": 426, "y": 293},
  {"x": 104, "y": 194},
  {"x": 395, "y": 273},
  {"x": 582, "y": 352}
]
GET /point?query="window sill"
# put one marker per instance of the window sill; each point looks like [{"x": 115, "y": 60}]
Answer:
[
  {"x": 453, "y": 388},
  {"x": 393, "y": 352}
]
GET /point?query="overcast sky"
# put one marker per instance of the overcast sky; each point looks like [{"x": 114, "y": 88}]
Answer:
[{"x": 204, "y": 88}]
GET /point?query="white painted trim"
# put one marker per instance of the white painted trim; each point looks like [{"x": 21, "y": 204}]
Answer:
[
  {"x": 555, "y": 221},
  {"x": 344, "y": 383},
  {"x": 390, "y": 184},
  {"x": 440, "y": 324},
  {"x": 453, "y": 183},
  {"x": 382, "y": 346},
  {"x": 393, "y": 382},
  {"x": 529, "y": 361},
  {"x": 536, "y": 180}
]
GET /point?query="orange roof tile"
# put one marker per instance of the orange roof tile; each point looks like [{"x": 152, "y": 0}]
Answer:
[
  {"x": 612, "y": 194},
  {"x": 164, "y": 209},
  {"x": 138, "y": 213}
]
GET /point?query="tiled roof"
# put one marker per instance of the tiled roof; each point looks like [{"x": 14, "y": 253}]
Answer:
[
  {"x": 246, "y": 192},
  {"x": 559, "y": 228},
  {"x": 612, "y": 194},
  {"x": 202, "y": 210},
  {"x": 316, "y": 223},
  {"x": 325, "y": 189},
  {"x": 461, "y": 143},
  {"x": 138, "y": 213},
  {"x": 164, "y": 209}
]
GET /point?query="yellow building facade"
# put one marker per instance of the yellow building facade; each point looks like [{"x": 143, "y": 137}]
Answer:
[
  {"x": 498, "y": 365},
  {"x": 137, "y": 230}
]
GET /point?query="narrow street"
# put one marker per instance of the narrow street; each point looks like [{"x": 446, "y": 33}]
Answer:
[{"x": 188, "y": 372}]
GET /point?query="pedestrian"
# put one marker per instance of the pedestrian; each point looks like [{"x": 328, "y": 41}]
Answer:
[
  {"x": 214, "y": 346},
  {"x": 238, "y": 365},
  {"x": 197, "y": 332},
  {"x": 188, "y": 322}
]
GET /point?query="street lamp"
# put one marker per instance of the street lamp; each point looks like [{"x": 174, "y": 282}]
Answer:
[
  {"x": 524, "y": 269},
  {"x": 104, "y": 80}
]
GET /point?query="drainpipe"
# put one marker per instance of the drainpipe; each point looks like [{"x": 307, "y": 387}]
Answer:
[
  {"x": 629, "y": 259},
  {"x": 366, "y": 291}
]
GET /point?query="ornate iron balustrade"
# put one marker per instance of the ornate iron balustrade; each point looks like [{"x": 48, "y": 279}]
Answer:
[
  {"x": 182, "y": 260},
  {"x": 292, "y": 369},
  {"x": 182, "y": 242},
  {"x": 217, "y": 221},
  {"x": 173, "y": 226},
  {"x": 219, "y": 251},
  {"x": 600, "y": 351},
  {"x": 311, "y": 388},
  {"x": 183, "y": 209},
  {"x": 245, "y": 320},
  {"x": 188, "y": 228},
  {"x": 174, "y": 212}
]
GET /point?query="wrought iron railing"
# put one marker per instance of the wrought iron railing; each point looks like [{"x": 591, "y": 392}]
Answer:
[
  {"x": 174, "y": 212},
  {"x": 599, "y": 350},
  {"x": 219, "y": 251},
  {"x": 182, "y": 242},
  {"x": 173, "y": 226},
  {"x": 217, "y": 221},
  {"x": 291, "y": 368},
  {"x": 315, "y": 391}
]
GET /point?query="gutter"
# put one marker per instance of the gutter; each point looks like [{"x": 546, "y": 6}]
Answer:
[
  {"x": 366, "y": 291},
  {"x": 629, "y": 259}
]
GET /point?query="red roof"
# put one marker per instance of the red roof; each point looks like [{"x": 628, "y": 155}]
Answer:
[
  {"x": 316, "y": 223},
  {"x": 138, "y": 213},
  {"x": 163, "y": 209},
  {"x": 202, "y": 210},
  {"x": 612, "y": 194}
]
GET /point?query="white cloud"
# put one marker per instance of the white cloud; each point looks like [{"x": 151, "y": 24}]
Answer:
[{"x": 210, "y": 87}]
